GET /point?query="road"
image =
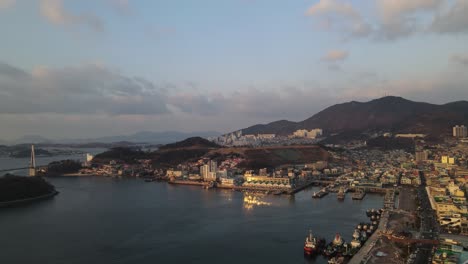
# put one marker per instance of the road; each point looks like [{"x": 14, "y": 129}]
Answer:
[{"x": 429, "y": 226}]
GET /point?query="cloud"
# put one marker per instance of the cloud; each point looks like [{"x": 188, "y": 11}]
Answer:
[
  {"x": 335, "y": 55},
  {"x": 121, "y": 6},
  {"x": 399, "y": 18},
  {"x": 395, "y": 19},
  {"x": 4, "y": 4},
  {"x": 340, "y": 15},
  {"x": 461, "y": 59},
  {"x": 455, "y": 20},
  {"x": 55, "y": 12},
  {"x": 86, "y": 89},
  {"x": 395, "y": 9}
]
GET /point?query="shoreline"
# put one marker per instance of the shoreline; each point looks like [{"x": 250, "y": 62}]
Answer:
[{"x": 27, "y": 200}]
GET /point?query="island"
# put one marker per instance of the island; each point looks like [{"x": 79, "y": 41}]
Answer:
[{"x": 18, "y": 190}]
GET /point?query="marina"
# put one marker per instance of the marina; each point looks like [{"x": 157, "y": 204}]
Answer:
[{"x": 338, "y": 250}]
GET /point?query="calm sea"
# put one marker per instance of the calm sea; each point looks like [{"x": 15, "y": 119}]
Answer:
[{"x": 105, "y": 220}]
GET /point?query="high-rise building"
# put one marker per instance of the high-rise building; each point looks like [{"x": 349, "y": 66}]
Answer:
[
  {"x": 204, "y": 171},
  {"x": 460, "y": 131},
  {"x": 213, "y": 166}
]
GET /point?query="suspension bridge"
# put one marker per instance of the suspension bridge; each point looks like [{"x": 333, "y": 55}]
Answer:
[{"x": 32, "y": 168}]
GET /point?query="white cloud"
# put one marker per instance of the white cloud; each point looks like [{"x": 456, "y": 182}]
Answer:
[
  {"x": 86, "y": 89},
  {"x": 399, "y": 18},
  {"x": 395, "y": 19},
  {"x": 395, "y": 9},
  {"x": 335, "y": 55},
  {"x": 4, "y": 4},
  {"x": 55, "y": 12},
  {"x": 455, "y": 20},
  {"x": 461, "y": 59},
  {"x": 340, "y": 15}
]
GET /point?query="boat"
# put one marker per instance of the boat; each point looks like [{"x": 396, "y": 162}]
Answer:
[
  {"x": 356, "y": 234},
  {"x": 370, "y": 212},
  {"x": 358, "y": 194},
  {"x": 310, "y": 244},
  {"x": 363, "y": 237},
  {"x": 355, "y": 243},
  {"x": 336, "y": 260},
  {"x": 320, "y": 193},
  {"x": 338, "y": 241},
  {"x": 341, "y": 194}
]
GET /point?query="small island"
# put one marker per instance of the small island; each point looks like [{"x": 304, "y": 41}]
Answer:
[{"x": 18, "y": 190}]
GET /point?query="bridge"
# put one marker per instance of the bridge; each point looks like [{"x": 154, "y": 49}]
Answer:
[{"x": 32, "y": 165}]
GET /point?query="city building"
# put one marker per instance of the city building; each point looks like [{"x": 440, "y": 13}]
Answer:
[
  {"x": 213, "y": 166},
  {"x": 304, "y": 133},
  {"x": 460, "y": 131},
  {"x": 421, "y": 156},
  {"x": 204, "y": 171}
]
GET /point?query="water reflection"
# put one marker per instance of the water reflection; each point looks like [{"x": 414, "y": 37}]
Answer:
[{"x": 252, "y": 200}]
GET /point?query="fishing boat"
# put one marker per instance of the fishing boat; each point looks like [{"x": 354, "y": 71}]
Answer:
[
  {"x": 341, "y": 194},
  {"x": 310, "y": 244}
]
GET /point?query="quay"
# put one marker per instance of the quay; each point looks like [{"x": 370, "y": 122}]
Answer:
[{"x": 363, "y": 254}]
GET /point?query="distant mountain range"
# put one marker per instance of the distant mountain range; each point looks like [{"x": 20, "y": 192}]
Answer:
[
  {"x": 140, "y": 137},
  {"x": 392, "y": 114}
]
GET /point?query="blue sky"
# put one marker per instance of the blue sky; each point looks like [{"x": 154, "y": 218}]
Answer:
[{"x": 93, "y": 66}]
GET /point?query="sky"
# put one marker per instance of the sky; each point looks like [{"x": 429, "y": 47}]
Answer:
[{"x": 91, "y": 68}]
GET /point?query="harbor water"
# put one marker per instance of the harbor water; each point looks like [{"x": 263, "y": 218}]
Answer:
[{"x": 106, "y": 220}]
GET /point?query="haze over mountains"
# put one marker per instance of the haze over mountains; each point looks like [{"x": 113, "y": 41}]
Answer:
[
  {"x": 390, "y": 113},
  {"x": 139, "y": 137}
]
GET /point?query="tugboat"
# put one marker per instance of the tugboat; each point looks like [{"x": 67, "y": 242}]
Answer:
[
  {"x": 310, "y": 244},
  {"x": 341, "y": 194}
]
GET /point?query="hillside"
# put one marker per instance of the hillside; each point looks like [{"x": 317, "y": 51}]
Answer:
[
  {"x": 193, "y": 142},
  {"x": 17, "y": 187},
  {"x": 393, "y": 114}
]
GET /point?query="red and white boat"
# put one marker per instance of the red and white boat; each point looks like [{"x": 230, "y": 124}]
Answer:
[{"x": 310, "y": 245}]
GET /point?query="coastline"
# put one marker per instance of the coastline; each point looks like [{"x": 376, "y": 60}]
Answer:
[{"x": 27, "y": 200}]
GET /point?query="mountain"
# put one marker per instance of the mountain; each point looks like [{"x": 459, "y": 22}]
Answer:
[
  {"x": 390, "y": 113},
  {"x": 154, "y": 137},
  {"x": 193, "y": 142},
  {"x": 139, "y": 137},
  {"x": 34, "y": 139}
]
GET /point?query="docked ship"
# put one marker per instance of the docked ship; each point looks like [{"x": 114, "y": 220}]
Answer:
[
  {"x": 338, "y": 241},
  {"x": 341, "y": 194},
  {"x": 310, "y": 244},
  {"x": 358, "y": 194},
  {"x": 320, "y": 193}
]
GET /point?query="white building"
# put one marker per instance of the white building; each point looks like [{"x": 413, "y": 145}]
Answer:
[
  {"x": 304, "y": 133},
  {"x": 89, "y": 157},
  {"x": 460, "y": 131},
  {"x": 204, "y": 171}
]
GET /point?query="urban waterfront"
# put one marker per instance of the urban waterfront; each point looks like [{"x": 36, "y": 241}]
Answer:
[{"x": 105, "y": 220}]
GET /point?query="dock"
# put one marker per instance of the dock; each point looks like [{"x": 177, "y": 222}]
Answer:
[{"x": 363, "y": 253}]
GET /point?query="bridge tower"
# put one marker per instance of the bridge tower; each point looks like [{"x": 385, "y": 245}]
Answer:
[{"x": 32, "y": 162}]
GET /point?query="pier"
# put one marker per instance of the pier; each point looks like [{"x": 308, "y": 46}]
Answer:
[{"x": 363, "y": 253}]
